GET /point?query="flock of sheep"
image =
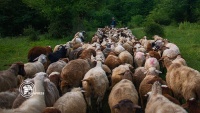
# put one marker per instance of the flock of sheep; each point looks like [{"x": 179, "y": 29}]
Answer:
[{"x": 77, "y": 77}]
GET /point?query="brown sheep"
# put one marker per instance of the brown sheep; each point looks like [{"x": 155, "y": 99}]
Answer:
[
  {"x": 73, "y": 73},
  {"x": 138, "y": 76},
  {"x": 51, "y": 110},
  {"x": 36, "y": 51},
  {"x": 118, "y": 73},
  {"x": 146, "y": 85},
  {"x": 123, "y": 91},
  {"x": 8, "y": 78},
  {"x": 112, "y": 61},
  {"x": 192, "y": 105},
  {"x": 186, "y": 82},
  {"x": 157, "y": 103},
  {"x": 86, "y": 53}
]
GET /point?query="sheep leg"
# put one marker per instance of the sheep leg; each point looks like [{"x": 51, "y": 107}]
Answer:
[{"x": 99, "y": 103}]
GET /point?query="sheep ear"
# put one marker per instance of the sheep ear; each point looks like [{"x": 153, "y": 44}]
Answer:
[
  {"x": 157, "y": 71},
  {"x": 136, "y": 106},
  {"x": 36, "y": 59}
]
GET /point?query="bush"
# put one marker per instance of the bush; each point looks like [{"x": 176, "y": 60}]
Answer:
[
  {"x": 154, "y": 29},
  {"x": 136, "y": 21},
  {"x": 31, "y": 33}
]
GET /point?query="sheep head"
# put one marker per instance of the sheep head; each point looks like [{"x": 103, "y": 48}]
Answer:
[
  {"x": 156, "y": 88},
  {"x": 21, "y": 70},
  {"x": 125, "y": 106}
]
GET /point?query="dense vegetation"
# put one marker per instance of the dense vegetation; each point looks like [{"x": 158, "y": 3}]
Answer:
[{"x": 61, "y": 18}]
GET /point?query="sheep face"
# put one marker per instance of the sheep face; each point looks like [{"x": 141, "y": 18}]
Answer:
[
  {"x": 125, "y": 106},
  {"x": 21, "y": 69}
]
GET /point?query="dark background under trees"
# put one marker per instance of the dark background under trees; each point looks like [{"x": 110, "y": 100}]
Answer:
[{"x": 60, "y": 18}]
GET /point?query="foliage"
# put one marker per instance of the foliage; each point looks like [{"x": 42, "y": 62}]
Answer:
[
  {"x": 31, "y": 33},
  {"x": 136, "y": 21},
  {"x": 65, "y": 17},
  {"x": 154, "y": 29}
]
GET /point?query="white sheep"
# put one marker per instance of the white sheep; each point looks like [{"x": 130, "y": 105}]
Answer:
[
  {"x": 139, "y": 59},
  {"x": 32, "y": 68},
  {"x": 36, "y": 103},
  {"x": 97, "y": 80},
  {"x": 183, "y": 80},
  {"x": 157, "y": 103},
  {"x": 123, "y": 90},
  {"x": 151, "y": 62},
  {"x": 71, "y": 102}
]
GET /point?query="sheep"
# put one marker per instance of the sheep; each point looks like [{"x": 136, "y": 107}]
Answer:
[
  {"x": 128, "y": 47},
  {"x": 146, "y": 84},
  {"x": 97, "y": 80},
  {"x": 75, "y": 53},
  {"x": 157, "y": 103},
  {"x": 107, "y": 50},
  {"x": 71, "y": 102},
  {"x": 55, "y": 77},
  {"x": 179, "y": 60},
  {"x": 56, "y": 66},
  {"x": 61, "y": 53},
  {"x": 126, "y": 57},
  {"x": 183, "y": 80},
  {"x": 112, "y": 61},
  {"x": 8, "y": 78},
  {"x": 36, "y": 103},
  {"x": 73, "y": 73},
  {"x": 50, "y": 90},
  {"x": 32, "y": 68},
  {"x": 192, "y": 105},
  {"x": 138, "y": 76},
  {"x": 51, "y": 110},
  {"x": 36, "y": 51},
  {"x": 139, "y": 59},
  {"x": 7, "y": 98},
  {"x": 118, "y": 73},
  {"x": 152, "y": 62},
  {"x": 122, "y": 96},
  {"x": 119, "y": 48},
  {"x": 154, "y": 54},
  {"x": 86, "y": 53}
]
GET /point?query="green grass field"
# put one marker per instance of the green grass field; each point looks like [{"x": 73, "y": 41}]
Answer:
[{"x": 186, "y": 37}]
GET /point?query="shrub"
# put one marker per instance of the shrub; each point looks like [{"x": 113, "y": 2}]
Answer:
[
  {"x": 136, "y": 21},
  {"x": 31, "y": 33},
  {"x": 152, "y": 29}
]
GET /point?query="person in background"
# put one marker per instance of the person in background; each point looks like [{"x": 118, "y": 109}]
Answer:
[{"x": 113, "y": 23}]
